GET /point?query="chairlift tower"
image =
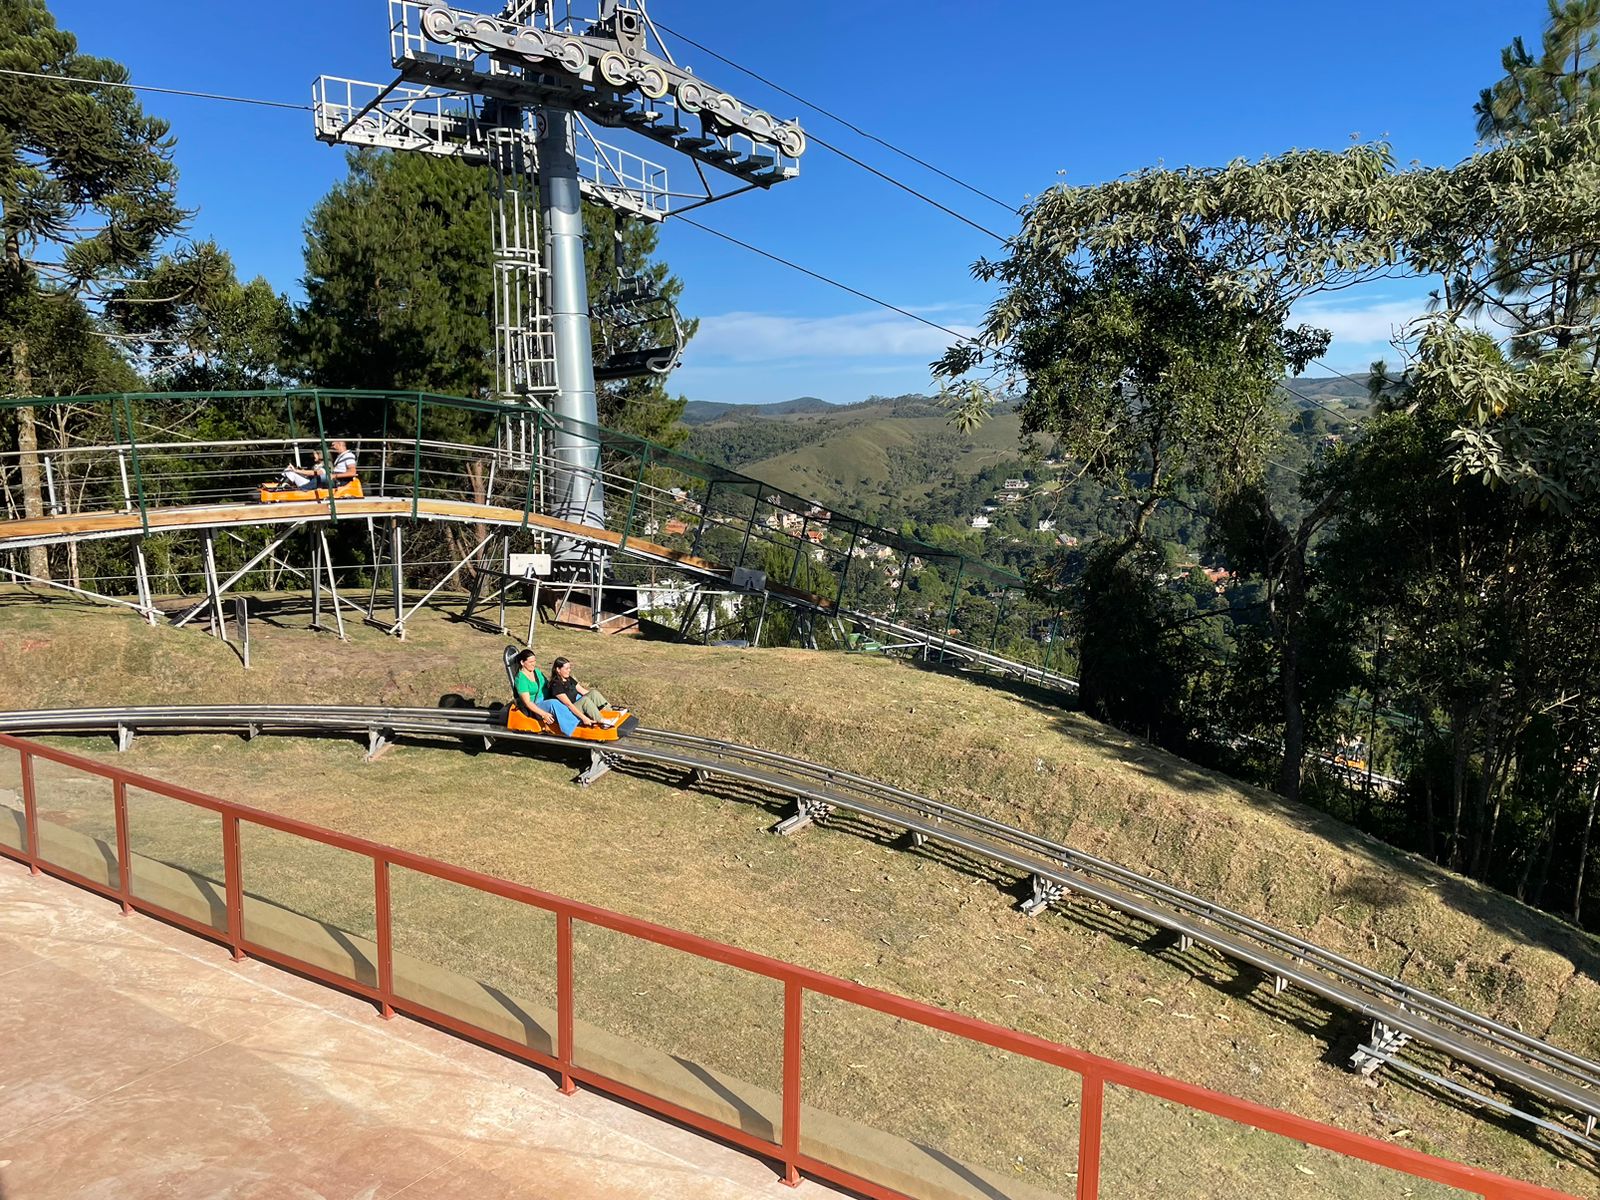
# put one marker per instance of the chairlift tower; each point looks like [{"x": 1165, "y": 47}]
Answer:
[{"x": 523, "y": 91}]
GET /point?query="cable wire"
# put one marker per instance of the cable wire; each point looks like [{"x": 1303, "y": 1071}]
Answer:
[
  {"x": 844, "y": 287},
  {"x": 833, "y": 116},
  {"x": 145, "y": 87},
  {"x": 906, "y": 187}
]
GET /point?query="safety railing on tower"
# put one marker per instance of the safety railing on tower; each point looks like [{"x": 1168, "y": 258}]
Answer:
[{"x": 829, "y": 1078}]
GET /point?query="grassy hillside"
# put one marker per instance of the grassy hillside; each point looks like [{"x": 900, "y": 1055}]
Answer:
[
  {"x": 852, "y": 900},
  {"x": 701, "y": 412},
  {"x": 862, "y": 457}
]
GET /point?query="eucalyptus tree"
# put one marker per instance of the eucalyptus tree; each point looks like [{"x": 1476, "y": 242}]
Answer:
[{"x": 1151, "y": 319}]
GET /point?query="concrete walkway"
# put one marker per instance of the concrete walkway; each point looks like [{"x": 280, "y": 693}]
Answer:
[{"x": 139, "y": 1061}]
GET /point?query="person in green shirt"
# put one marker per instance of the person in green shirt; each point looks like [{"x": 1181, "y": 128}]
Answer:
[{"x": 532, "y": 685}]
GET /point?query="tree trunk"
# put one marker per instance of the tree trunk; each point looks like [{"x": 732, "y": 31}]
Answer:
[
  {"x": 1294, "y": 732},
  {"x": 1539, "y": 850},
  {"x": 1583, "y": 853},
  {"x": 28, "y": 456},
  {"x": 1491, "y": 792},
  {"x": 1460, "y": 751}
]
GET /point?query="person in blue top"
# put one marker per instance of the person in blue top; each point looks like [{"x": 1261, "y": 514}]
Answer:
[{"x": 532, "y": 685}]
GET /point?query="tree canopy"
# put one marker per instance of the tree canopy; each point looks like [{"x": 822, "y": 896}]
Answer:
[{"x": 398, "y": 284}]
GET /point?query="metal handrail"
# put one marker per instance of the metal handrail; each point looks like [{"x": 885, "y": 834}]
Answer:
[
  {"x": 1428, "y": 1019},
  {"x": 428, "y": 481},
  {"x": 1094, "y": 1071}
]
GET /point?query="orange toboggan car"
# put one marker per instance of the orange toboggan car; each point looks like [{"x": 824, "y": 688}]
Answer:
[{"x": 521, "y": 716}]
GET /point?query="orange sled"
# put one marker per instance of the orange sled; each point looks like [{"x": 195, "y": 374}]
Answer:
[
  {"x": 272, "y": 494},
  {"x": 530, "y": 720}
]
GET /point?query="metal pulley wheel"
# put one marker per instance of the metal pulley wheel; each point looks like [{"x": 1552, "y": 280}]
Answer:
[
  {"x": 572, "y": 55},
  {"x": 760, "y": 125},
  {"x": 692, "y": 96},
  {"x": 791, "y": 140},
  {"x": 653, "y": 82},
  {"x": 439, "y": 24},
  {"x": 615, "y": 69},
  {"x": 531, "y": 44}
]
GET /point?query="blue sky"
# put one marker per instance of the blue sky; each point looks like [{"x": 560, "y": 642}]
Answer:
[{"x": 1053, "y": 91}]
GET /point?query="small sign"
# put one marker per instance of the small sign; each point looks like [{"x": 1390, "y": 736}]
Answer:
[
  {"x": 745, "y": 579},
  {"x": 529, "y": 565}
]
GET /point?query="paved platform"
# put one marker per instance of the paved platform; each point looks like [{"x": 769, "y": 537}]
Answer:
[{"x": 137, "y": 1060}]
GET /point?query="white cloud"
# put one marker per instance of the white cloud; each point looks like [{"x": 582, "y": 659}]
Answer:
[
  {"x": 1379, "y": 321},
  {"x": 768, "y": 337}
]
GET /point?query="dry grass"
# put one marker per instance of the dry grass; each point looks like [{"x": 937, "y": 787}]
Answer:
[{"x": 849, "y": 899}]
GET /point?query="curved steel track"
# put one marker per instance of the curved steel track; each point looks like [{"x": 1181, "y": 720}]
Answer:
[{"x": 1405, "y": 1015}]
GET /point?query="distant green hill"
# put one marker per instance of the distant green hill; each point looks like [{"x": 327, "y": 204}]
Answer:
[
  {"x": 1336, "y": 391},
  {"x": 702, "y": 412},
  {"x": 885, "y": 454}
]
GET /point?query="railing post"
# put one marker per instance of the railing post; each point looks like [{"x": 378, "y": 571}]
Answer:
[
  {"x": 633, "y": 499},
  {"x": 564, "y": 1000},
  {"x": 1091, "y": 1109},
  {"x": 793, "y": 997},
  {"x": 30, "y": 811},
  {"x": 416, "y": 462},
  {"x": 51, "y": 503},
  {"x": 905, "y": 569},
  {"x": 533, "y": 469},
  {"x": 950, "y": 617},
  {"x": 233, "y": 883},
  {"x": 799, "y": 550},
  {"x": 705, "y": 513},
  {"x": 380, "y": 888},
  {"x": 327, "y": 460},
  {"x": 119, "y": 794},
  {"x": 138, "y": 469},
  {"x": 749, "y": 528},
  {"x": 844, "y": 575}
]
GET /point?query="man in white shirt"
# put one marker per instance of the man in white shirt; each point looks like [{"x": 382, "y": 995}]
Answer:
[{"x": 316, "y": 475}]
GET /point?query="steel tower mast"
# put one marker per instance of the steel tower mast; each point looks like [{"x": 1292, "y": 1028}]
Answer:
[{"x": 522, "y": 91}]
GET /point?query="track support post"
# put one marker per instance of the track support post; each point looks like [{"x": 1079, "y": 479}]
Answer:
[
  {"x": 599, "y": 763},
  {"x": 807, "y": 811},
  {"x": 1044, "y": 893},
  {"x": 1386, "y": 1041}
]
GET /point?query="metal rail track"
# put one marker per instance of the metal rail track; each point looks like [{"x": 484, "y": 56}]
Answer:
[{"x": 1402, "y": 1015}]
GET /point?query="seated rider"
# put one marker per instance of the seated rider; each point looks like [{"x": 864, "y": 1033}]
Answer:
[
  {"x": 584, "y": 701},
  {"x": 532, "y": 685},
  {"x": 317, "y": 475}
]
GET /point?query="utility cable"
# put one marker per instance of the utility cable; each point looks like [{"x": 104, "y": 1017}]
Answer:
[
  {"x": 871, "y": 299},
  {"x": 906, "y": 187},
  {"x": 843, "y": 287},
  {"x": 145, "y": 87},
  {"x": 833, "y": 116}
]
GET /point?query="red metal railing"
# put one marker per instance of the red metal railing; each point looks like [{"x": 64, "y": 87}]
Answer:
[{"x": 1095, "y": 1072}]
